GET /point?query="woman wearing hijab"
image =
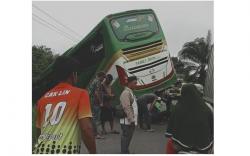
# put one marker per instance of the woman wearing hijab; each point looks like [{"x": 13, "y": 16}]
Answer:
[{"x": 190, "y": 127}]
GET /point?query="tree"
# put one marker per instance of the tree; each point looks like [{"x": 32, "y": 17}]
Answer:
[
  {"x": 41, "y": 58},
  {"x": 178, "y": 65},
  {"x": 195, "y": 56}
]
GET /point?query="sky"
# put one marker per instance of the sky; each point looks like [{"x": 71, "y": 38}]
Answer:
[{"x": 181, "y": 21}]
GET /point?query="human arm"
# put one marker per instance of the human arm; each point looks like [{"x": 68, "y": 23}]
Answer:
[
  {"x": 112, "y": 92},
  {"x": 152, "y": 105},
  {"x": 87, "y": 134},
  {"x": 98, "y": 93},
  {"x": 38, "y": 133},
  {"x": 84, "y": 119}
]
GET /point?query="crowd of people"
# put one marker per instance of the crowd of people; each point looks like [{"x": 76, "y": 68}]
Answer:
[
  {"x": 67, "y": 114},
  {"x": 101, "y": 98}
]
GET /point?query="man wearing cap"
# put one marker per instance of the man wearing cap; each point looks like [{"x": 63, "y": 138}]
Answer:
[{"x": 128, "y": 123}]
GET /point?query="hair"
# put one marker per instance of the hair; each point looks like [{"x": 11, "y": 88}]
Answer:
[
  {"x": 152, "y": 98},
  {"x": 132, "y": 78},
  {"x": 100, "y": 74},
  {"x": 190, "y": 94},
  {"x": 64, "y": 66},
  {"x": 109, "y": 77}
]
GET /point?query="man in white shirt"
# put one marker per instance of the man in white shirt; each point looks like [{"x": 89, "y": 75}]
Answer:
[{"x": 128, "y": 123}]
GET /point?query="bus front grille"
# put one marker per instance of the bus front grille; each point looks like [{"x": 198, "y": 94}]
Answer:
[{"x": 144, "y": 50}]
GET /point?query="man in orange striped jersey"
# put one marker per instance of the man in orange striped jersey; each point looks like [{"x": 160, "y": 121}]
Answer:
[{"x": 64, "y": 114}]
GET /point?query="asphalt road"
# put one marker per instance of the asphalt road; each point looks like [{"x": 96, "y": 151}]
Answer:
[{"x": 142, "y": 142}]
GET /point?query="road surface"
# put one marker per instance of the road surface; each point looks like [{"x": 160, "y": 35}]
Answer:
[{"x": 142, "y": 142}]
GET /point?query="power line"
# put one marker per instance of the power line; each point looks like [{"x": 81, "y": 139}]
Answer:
[
  {"x": 53, "y": 29},
  {"x": 56, "y": 20},
  {"x": 41, "y": 19},
  {"x": 72, "y": 37}
]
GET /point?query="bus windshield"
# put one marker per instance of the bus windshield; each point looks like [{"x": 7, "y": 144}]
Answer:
[{"x": 134, "y": 27}]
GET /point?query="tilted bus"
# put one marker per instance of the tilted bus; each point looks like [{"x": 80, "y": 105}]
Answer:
[{"x": 122, "y": 44}]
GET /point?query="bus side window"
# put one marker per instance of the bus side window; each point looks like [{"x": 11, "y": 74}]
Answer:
[
  {"x": 97, "y": 47},
  {"x": 92, "y": 51}
]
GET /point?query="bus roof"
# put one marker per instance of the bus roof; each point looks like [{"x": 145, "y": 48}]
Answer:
[
  {"x": 76, "y": 48},
  {"x": 128, "y": 12}
]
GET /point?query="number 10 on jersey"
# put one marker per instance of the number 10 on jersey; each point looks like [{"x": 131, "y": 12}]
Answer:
[{"x": 57, "y": 113}]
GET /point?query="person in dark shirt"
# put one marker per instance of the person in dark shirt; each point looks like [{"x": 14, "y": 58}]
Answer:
[
  {"x": 190, "y": 126},
  {"x": 145, "y": 105},
  {"x": 107, "y": 109}
]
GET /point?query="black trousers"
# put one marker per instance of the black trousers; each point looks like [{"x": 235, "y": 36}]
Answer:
[
  {"x": 127, "y": 133},
  {"x": 144, "y": 116}
]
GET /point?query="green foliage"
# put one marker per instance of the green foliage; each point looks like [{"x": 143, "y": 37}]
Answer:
[
  {"x": 195, "y": 56},
  {"x": 41, "y": 58}
]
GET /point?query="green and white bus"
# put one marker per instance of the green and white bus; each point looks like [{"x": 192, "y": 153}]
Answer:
[{"x": 123, "y": 44}]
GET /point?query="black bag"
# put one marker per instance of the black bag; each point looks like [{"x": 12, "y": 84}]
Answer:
[{"x": 119, "y": 112}]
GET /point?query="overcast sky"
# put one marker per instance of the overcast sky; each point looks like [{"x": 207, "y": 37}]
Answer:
[{"x": 181, "y": 21}]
